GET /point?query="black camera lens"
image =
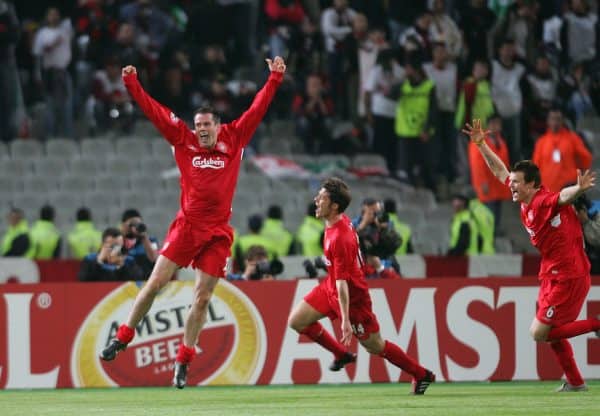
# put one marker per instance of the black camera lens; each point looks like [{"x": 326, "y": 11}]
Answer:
[
  {"x": 140, "y": 227},
  {"x": 310, "y": 268}
]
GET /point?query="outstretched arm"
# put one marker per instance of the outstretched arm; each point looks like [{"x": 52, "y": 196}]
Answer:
[
  {"x": 171, "y": 127},
  {"x": 477, "y": 135},
  {"x": 585, "y": 181},
  {"x": 249, "y": 121}
]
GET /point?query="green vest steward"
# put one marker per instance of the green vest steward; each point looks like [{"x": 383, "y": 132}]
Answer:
[
  {"x": 309, "y": 236},
  {"x": 481, "y": 108},
  {"x": 280, "y": 238},
  {"x": 244, "y": 242},
  {"x": 484, "y": 218},
  {"x": 84, "y": 239},
  {"x": 404, "y": 231},
  {"x": 12, "y": 233},
  {"x": 44, "y": 238},
  {"x": 413, "y": 108},
  {"x": 458, "y": 219}
]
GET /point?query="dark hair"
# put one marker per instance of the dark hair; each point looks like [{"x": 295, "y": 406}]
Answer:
[
  {"x": 47, "y": 213},
  {"x": 110, "y": 232},
  {"x": 368, "y": 201},
  {"x": 256, "y": 252},
  {"x": 17, "y": 211},
  {"x": 83, "y": 214},
  {"x": 339, "y": 193},
  {"x": 255, "y": 223},
  {"x": 389, "y": 205},
  {"x": 531, "y": 173},
  {"x": 130, "y": 213},
  {"x": 275, "y": 212},
  {"x": 207, "y": 109}
]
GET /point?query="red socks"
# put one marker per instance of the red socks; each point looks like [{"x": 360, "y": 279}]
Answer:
[
  {"x": 185, "y": 354},
  {"x": 317, "y": 333},
  {"x": 125, "y": 334},
  {"x": 573, "y": 329},
  {"x": 564, "y": 355},
  {"x": 396, "y": 356}
]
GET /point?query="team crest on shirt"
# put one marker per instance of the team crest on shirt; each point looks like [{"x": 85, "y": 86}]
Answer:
[
  {"x": 222, "y": 147},
  {"x": 556, "y": 221},
  {"x": 530, "y": 215}
]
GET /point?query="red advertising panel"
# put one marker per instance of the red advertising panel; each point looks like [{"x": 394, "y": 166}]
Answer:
[{"x": 462, "y": 329}]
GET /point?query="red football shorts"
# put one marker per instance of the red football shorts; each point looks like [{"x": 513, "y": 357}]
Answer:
[
  {"x": 363, "y": 320},
  {"x": 206, "y": 249},
  {"x": 560, "y": 301}
]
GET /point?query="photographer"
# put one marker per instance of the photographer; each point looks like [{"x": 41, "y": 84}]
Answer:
[
  {"x": 137, "y": 243},
  {"x": 257, "y": 266},
  {"x": 378, "y": 240},
  {"x": 587, "y": 213},
  {"x": 110, "y": 263}
]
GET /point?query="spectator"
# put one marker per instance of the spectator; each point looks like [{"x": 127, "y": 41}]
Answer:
[
  {"x": 416, "y": 114},
  {"x": 540, "y": 93},
  {"x": 476, "y": 20},
  {"x": 507, "y": 95},
  {"x": 284, "y": 18},
  {"x": 575, "y": 90},
  {"x": 257, "y": 266},
  {"x": 587, "y": 213},
  {"x": 464, "y": 235},
  {"x": 484, "y": 219},
  {"x": 306, "y": 51},
  {"x": 52, "y": 47},
  {"x": 487, "y": 188},
  {"x": 520, "y": 24},
  {"x": 111, "y": 263},
  {"x": 560, "y": 153},
  {"x": 136, "y": 241},
  {"x": 125, "y": 47},
  {"x": 443, "y": 72},
  {"x": 444, "y": 30},
  {"x": 417, "y": 39},
  {"x": 45, "y": 237},
  {"x": 9, "y": 76},
  {"x": 402, "y": 14},
  {"x": 17, "y": 240},
  {"x": 313, "y": 110},
  {"x": 336, "y": 26},
  {"x": 579, "y": 33},
  {"x": 310, "y": 233},
  {"x": 403, "y": 229},
  {"x": 274, "y": 231},
  {"x": 252, "y": 238},
  {"x": 84, "y": 238},
  {"x": 383, "y": 80}
]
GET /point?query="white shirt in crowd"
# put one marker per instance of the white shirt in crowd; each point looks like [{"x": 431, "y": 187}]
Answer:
[
  {"x": 336, "y": 26},
  {"x": 445, "y": 85},
  {"x": 380, "y": 83},
  {"x": 53, "y": 45},
  {"x": 506, "y": 91}
]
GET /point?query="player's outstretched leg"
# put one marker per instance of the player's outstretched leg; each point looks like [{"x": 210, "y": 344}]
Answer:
[
  {"x": 564, "y": 355},
  {"x": 420, "y": 385},
  {"x": 118, "y": 344},
  {"x": 339, "y": 363}
]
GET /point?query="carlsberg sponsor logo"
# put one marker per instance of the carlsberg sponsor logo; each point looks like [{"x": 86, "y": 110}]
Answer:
[{"x": 208, "y": 162}]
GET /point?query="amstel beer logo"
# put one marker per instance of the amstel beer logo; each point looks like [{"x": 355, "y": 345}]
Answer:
[{"x": 230, "y": 350}]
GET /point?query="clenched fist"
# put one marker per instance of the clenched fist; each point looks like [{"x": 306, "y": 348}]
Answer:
[{"x": 128, "y": 70}]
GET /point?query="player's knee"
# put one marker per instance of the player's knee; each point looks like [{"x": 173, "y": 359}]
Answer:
[
  {"x": 201, "y": 300},
  {"x": 295, "y": 324},
  {"x": 538, "y": 335}
]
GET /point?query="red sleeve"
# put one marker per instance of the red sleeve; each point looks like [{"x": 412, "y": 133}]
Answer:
[
  {"x": 550, "y": 202},
  {"x": 171, "y": 127},
  {"x": 248, "y": 122}
]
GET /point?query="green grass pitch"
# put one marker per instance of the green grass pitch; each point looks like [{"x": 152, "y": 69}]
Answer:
[{"x": 509, "y": 398}]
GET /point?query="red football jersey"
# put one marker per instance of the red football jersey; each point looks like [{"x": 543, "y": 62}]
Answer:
[
  {"x": 556, "y": 232},
  {"x": 344, "y": 261},
  {"x": 208, "y": 176}
]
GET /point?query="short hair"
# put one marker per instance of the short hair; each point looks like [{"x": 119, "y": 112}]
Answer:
[
  {"x": 207, "y": 109},
  {"x": 130, "y": 213},
  {"x": 368, "y": 201},
  {"x": 255, "y": 252},
  {"x": 83, "y": 214},
  {"x": 47, "y": 213},
  {"x": 275, "y": 212},
  {"x": 255, "y": 223},
  {"x": 110, "y": 232},
  {"x": 389, "y": 205},
  {"x": 531, "y": 173},
  {"x": 338, "y": 191}
]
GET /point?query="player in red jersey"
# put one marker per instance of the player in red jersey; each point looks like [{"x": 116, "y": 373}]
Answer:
[
  {"x": 554, "y": 230},
  {"x": 345, "y": 294},
  {"x": 208, "y": 158}
]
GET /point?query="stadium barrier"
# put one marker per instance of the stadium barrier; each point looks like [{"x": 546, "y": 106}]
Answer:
[{"x": 462, "y": 329}]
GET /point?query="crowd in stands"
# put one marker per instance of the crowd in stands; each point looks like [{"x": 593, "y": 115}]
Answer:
[{"x": 405, "y": 75}]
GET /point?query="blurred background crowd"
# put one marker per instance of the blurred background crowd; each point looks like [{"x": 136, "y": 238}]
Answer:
[{"x": 393, "y": 78}]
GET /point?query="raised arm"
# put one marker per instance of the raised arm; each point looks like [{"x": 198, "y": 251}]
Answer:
[
  {"x": 246, "y": 125},
  {"x": 171, "y": 127},
  {"x": 477, "y": 135},
  {"x": 585, "y": 181}
]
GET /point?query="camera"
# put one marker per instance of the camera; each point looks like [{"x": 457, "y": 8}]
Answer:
[
  {"x": 382, "y": 217},
  {"x": 139, "y": 227},
  {"x": 265, "y": 267},
  {"x": 379, "y": 241},
  {"x": 312, "y": 267}
]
